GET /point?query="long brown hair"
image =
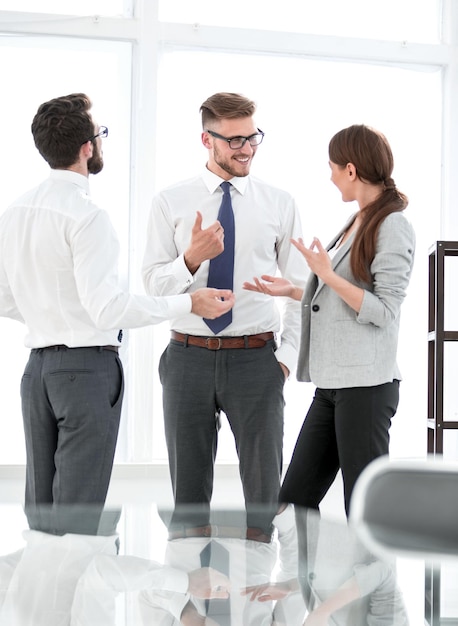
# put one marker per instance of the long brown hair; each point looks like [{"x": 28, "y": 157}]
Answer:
[{"x": 371, "y": 154}]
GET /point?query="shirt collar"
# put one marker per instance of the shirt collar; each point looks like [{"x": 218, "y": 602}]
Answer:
[
  {"x": 213, "y": 181},
  {"x": 71, "y": 177}
]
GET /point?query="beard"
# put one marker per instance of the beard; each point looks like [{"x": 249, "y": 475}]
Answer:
[
  {"x": 230, "y": 165},
  {"x": 95, "y": 163}
]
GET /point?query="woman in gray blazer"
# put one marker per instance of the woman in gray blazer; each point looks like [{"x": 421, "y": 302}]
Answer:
[{"x": 350, "y": 322}]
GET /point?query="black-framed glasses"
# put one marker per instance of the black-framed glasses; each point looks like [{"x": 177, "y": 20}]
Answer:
[
  {"x": 238, "y": 142},
  {"x": 103, "y": 132}
]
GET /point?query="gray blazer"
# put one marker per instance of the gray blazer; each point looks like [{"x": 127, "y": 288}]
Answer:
[
  {"x": 330, "y": 553},
  {"x": 341, "y": 348}
]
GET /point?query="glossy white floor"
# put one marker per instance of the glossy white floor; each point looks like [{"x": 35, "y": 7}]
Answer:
[{"x": 141, "y": 489}]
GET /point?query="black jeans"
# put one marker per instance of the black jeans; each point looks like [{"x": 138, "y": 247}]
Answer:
[{"x": 344, "y": 429}]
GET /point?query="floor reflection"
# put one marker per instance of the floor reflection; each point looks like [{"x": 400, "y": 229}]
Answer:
[
  {"x": 314, "y": 572},
  {"x": 341, "y": 580},
  {"x": 78, "y": 579}
]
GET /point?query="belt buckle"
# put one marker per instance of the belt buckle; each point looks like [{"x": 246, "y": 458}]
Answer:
[{"x": 209, "y": 343}]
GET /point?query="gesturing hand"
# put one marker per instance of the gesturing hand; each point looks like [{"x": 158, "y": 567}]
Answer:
[
  {"x": 316, "y": 256},
  {"x": 207, "y": 582},
  {"x": 268, "y": 591},
  {"x": 274, "y": 286},
  {"x": 211, "y": 303},
  {"x": 206, "y": 243},
  {"x": 271, "y": 285}
]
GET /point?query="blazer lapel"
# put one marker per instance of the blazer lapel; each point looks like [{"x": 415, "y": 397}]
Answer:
[
  {"x": 341, "y": 252},
  {"x": 333, "y": 242}
]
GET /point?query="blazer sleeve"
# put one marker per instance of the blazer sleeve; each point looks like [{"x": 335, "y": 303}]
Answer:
[{"x": 391, "y": 270}]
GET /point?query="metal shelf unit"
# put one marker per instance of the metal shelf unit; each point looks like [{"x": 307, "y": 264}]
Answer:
[{"x": 437, "y": 337}]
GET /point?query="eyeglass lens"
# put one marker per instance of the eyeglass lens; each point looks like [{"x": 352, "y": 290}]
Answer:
[{"x": 239, "y": 142}]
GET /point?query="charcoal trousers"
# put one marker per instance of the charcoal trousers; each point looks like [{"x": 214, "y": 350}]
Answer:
[
  {"x": 71, "y": 405},
  {"x": 245, "y": 384}
]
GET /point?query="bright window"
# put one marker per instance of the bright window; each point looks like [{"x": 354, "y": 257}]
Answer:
[
  {"x": 301, "y": 104},
  {"x": 70, "y": 7},
  {"x": 302, "y": 101},
  {"x": 41, "y": 69},
  {"x": 394, "y": 20}
]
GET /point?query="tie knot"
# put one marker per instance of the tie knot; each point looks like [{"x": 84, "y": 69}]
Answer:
[{"x": 226, "y": 186}]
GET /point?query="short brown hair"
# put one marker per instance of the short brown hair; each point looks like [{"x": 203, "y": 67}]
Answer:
[
  {"x": 60, "y": 127},
  {"x": 225, "y": 105}
]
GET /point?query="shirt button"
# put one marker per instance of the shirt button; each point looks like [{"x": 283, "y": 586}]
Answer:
[{"x": 315, "y": 308}]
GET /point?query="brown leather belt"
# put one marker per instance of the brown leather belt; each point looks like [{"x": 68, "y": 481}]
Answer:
[
  {"x": 223, "y": 343},
  {"x": 62, "y": 346},
  {"x": 228, "y": 532}
]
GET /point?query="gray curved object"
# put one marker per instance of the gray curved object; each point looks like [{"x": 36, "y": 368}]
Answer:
[{"x": 408, "y": 506}]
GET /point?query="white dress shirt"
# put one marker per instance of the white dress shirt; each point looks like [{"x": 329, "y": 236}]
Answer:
[
  {"x": 266, "y": 218},
  {"x": 59, "y": 269},
  {"x": 250, "y": 563},
  {"x": 73, "y": 580}
]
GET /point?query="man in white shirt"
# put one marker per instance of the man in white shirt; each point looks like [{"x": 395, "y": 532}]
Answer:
[
  {"x": 75, "y": 579},
  {"x": 248, "y": 564},
  {"x": 239, "y": 370},
  {"x": 58, "y": 275}
]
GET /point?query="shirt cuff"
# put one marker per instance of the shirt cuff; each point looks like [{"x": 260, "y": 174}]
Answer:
[
  {"x": 179, "y": 305},
  {"x": 177, "y": 604},
  {"x": 182, "y": 275},
  {"x": 287, "y": 355},
  {"x": 175, "y": 580}
]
